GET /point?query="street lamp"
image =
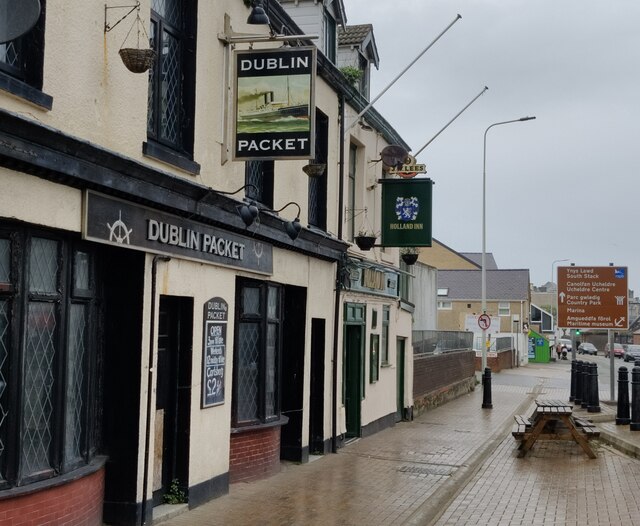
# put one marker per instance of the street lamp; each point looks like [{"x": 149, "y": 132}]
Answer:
[{"x": 484, "y": 232}]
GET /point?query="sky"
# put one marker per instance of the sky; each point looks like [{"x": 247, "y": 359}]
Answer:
[{"x": 563, "y": 186}]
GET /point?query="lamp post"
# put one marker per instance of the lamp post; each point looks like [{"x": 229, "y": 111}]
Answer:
[{"x": 484, "y": 232}]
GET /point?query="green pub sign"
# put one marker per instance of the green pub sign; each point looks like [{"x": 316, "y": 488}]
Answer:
[{"x": 406, "y": 212}]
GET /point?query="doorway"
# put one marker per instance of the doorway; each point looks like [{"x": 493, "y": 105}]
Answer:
[
  {"x": 293, "y": 344},
  {"x": 316, "y": 404},
  {"x": 400, "y": 351},
  {"x": 173, "y": 395},
  {"x": 353, "y": 383}
]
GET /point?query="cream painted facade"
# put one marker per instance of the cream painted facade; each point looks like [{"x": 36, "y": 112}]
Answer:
[{"x": 83, "y": 132}]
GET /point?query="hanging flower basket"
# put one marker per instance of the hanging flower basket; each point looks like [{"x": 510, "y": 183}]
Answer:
[
  {"x": 314, "y": 169},
  {"x": 409, "y": 259},
  {"x": 365, "y": 242},
  {"x": 137, "y": 60}
]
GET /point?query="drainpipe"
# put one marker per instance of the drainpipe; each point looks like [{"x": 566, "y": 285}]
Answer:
[
  {"x": 147, "y": 436},
  {"x": 337, "y": 314}
]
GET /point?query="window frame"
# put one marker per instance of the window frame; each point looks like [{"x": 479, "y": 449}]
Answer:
[
  {"x": 264, "y": 321},
  {"x": 330, "y": 30},
  {"x": 26, "y": 82},
  {"x": 445, "y": 305},
  {"x": 179, "y": 153},
  {"x": 263, "y": 171},
  {"x": 19, "y": 296},
  {"x": 502, "y": 308},
  {"x": 384, "y": 336}
]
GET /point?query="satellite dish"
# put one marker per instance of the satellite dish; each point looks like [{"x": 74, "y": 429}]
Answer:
[
  {"x": 393, "y": 156},
  {"x": 17, "y": 17}
]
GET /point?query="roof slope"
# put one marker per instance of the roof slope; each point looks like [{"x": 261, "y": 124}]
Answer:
[
  {"x": 476, "y": 257},
  {"x": 502, "y": 285}
]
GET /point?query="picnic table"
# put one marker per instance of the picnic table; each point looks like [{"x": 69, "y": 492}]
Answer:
[{"x": 553, "y": 420}]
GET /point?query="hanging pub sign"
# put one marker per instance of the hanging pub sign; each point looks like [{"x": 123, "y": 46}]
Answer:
[
  {"x": 214, "y": 351},
  {"x": 406, "y": 212},
  {"x": 274, "y": 104}
]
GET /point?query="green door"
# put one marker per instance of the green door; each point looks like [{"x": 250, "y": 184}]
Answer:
[{"x": 353, "y": 378}]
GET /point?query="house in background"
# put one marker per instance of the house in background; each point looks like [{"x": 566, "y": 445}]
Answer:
[
  {"x": 459, "y": 289},
  {"x": 357, "y": 49}
]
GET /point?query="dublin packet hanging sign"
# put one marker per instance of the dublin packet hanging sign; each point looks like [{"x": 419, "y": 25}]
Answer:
[{"x": 274, "y": 112}]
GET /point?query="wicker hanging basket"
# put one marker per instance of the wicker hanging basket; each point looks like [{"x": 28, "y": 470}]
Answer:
[{"x": 137, "y": 60}]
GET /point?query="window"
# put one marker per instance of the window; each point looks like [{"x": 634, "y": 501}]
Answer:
[
  {"x": 318, "y": 185},
  {"x": 47, "y": 357},
  {"x": 443, "y": 292},
  {"x": 259, "y": 174},
  {"x": 170, "y": 112},
  {"x": 504, "y": 308},
  {"x": 445, "y": 305},
  {"x": 351, "y": 191},
  {"x": 329, "y": 36},
  {"x": 256, "y": 371},
  {"x": 21, "y": 64},
  {"x": 404, "y": 283},
  {"x": 374, "y": 359},
  {"x": 384, "y": 352}
]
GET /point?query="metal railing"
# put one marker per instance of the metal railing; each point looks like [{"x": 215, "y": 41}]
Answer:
[{"x": 436, "y": 342}]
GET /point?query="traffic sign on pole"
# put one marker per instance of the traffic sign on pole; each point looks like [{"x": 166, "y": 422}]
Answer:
[{"x": 593, "y": 298}]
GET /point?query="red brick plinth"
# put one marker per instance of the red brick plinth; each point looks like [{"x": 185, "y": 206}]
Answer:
[{"x": 255, "y": 454}]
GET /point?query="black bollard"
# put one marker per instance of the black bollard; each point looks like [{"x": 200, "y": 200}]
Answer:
[
  {"x": 584, "y": 397},
  {"x": 635, "y": 399},
  {"x": 486, "y": 389},
  {"x": 578, "y": 394},
  {"x": 594, "y": 396},
  {"x": 574, "y": 368},
  {"x": 622, "y": 415}
]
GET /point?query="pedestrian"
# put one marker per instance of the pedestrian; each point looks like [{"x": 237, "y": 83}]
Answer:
[{"x": 559, "y": 352}]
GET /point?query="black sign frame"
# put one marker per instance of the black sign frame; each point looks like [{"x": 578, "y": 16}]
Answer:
[
  {"x": 266, "y": 126},
  {"x": 214, "y": 346}
]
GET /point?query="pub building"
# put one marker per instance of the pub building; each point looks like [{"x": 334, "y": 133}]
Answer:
[{"x": 167, "y": 326}]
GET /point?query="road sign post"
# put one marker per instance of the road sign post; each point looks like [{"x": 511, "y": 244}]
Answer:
[{"x": 594, "y": 298}]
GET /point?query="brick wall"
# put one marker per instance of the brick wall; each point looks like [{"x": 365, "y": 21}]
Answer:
[
  {"x": 437, "y": 371},
  {"x": 504, "y": 360},
  {"x": 77, "y": 503},
  {"x": 255, "y": 454}
]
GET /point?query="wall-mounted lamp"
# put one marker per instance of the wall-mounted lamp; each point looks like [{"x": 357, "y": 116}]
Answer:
[
  {"x": 258, "y": 15},
  {"x": 292, "y": 228},
  {"x": 248, "y": 212}
]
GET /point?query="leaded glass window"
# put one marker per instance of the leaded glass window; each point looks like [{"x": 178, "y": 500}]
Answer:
[
  {"x": 318, "y": 185},
  {"x": 22, "y": 58},
  {"x": 170, "y": 107},
  {"x": 256, "y": 389},
  {"x": 47, "y": 383},
  {"x": 259, "y": 175}
]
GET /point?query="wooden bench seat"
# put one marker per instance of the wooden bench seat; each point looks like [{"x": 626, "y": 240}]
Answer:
[
  {"x": 587, "y": 427},
  {"x": 522, "y": 426}
]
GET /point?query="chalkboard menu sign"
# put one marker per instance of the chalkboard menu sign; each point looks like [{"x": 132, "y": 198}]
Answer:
[{"x": 214, "y": 349}]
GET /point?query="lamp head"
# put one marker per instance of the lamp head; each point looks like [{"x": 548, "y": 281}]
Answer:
[
  {"x": 248, "y": 213},
  {"x": 526, "y": 118},
  {"x": 258, "y": 15},
  {"x": 293, "y": 228}
]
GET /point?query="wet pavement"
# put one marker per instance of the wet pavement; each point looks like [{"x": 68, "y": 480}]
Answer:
[{"x": 455, "y": 464}]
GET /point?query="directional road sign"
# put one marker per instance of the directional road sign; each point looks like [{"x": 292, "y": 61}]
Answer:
[{"x": 593, "y": 298}]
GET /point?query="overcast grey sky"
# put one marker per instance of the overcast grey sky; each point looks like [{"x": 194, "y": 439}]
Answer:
[{"x": 565, "y": 185}]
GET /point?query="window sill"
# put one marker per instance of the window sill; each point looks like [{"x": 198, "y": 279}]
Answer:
[
  {"x": 95, "y": 465},
  {"x": 385, "y": 366},
  {"x": 166, "y": 155},
  {"x": 26, "y": 92},
  {"x": 283, "y": 420}
]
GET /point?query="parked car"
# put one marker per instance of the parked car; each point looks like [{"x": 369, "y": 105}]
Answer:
[
  {"x": 618, "y": 350},
  {"x": 587, "y": 348},
  {"x": 632, "y": 353}
]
